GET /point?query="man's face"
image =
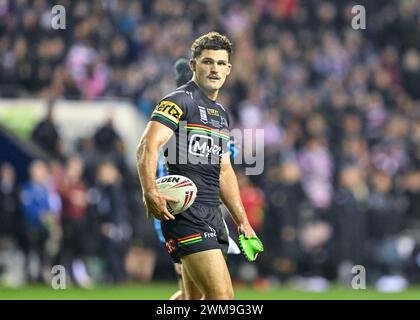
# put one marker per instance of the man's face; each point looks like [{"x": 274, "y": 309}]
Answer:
[{"x": 211, "y": 69}]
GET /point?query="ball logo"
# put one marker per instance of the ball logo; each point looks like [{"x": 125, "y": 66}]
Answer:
[
  {"x": 169, "y": 179},
  {"x": 180, "y": 188},
  {"x": 188, "y": 197}
]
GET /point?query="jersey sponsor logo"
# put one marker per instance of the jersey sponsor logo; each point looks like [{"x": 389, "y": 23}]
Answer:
[
  {"x": 168, "y": 110},
  {"x": 203, "y": 115},
  {"x": 213, "y": 112},
  {"x": 203, "y": 146}
]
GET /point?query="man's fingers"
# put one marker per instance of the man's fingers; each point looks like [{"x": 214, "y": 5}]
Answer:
[
  {"x": 246, "y": 231},
  {"x": 169, "y": 198},
  {"x": 250, "y": 234},
  {"x": 165, "y": 214},
  {"x": 168, "y": 215},
  {"x": 158, "y": 208}
]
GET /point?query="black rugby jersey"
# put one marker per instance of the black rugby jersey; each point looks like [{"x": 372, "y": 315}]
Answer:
[{"x": 201, "y": 136}]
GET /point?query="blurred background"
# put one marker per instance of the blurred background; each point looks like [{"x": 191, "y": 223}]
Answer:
[{"x": 340, "y": 109}]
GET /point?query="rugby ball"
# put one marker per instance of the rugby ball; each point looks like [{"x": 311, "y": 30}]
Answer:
[{"x": 179, "y": 187}]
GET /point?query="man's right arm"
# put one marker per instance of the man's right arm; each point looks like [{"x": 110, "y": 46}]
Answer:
[{"x": 155, "y": 136}]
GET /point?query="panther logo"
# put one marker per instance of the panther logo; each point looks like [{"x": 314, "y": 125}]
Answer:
[{"x": 170, "y": 246}]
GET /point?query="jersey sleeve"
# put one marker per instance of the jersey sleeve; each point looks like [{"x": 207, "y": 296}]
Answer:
[{"x": 169, "y": 112}]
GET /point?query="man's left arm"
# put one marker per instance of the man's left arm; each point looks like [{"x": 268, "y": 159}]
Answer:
[{"x": 229, "y": 193}]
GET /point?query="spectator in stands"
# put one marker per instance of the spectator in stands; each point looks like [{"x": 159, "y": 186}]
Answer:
[
  {"x": 10, "y": 211},
  {"x": 46, "y": 136},
  {"x": 41, "y": 220},
  {"x": 286, "y": 202},
  {"x": 109, "y": 146},
  {"x": 316, "y": 172},
  {"x": 106, "y": 138},
  {"x": 76, "y": 240},
  {"x": 13, "y": 239},
  {"x": 411, "y": 187},
  {"x": 13, "y": 235},
  {"x": 385, "y": 216},
  {"x": 350, "y": 220},
  {"x": 110, "y": 217}
]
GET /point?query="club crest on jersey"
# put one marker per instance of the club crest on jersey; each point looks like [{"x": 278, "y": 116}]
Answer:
[{"x": 203, "y": 115}]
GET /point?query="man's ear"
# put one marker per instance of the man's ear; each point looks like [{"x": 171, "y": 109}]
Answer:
[
  {"x": 229, "y": 69},
  {"x": 193, "y": 64}
]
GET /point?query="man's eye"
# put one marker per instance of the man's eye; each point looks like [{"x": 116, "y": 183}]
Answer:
[{"x": 207, "y": 62}]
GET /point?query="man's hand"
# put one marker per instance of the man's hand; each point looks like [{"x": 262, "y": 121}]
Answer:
[
  {"x": 246, "y": 230},
  {"x": 249, "y": 243},
  {"x": 155, "y": 203}
]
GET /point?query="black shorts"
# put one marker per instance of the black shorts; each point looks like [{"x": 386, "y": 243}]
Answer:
[{"x": 199, "y": 228}]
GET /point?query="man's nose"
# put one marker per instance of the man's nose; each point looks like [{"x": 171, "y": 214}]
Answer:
[{"x": 213, "y": 67}]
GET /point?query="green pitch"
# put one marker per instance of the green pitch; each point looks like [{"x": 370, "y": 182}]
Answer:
[{"x": 161, "y": 291}]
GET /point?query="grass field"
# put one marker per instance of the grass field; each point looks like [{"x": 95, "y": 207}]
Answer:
[{"x": 161, "y": 291}]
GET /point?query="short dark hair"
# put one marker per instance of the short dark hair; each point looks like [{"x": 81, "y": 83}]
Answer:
[{"x": 211, "y": 41}]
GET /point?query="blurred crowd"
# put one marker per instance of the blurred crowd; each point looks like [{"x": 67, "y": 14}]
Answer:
[
  {"x": 73, "y": 210},
  {"x": 340, "y": 109}
]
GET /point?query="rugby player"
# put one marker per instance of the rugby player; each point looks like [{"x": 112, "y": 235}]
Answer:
[{"x": 197, "y": 237}]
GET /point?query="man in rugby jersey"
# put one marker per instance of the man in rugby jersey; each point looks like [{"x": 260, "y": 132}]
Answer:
[{"x": 196, "y": 237}]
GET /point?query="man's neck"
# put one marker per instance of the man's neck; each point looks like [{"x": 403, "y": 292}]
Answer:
[{"x": 212, "y": 95}]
